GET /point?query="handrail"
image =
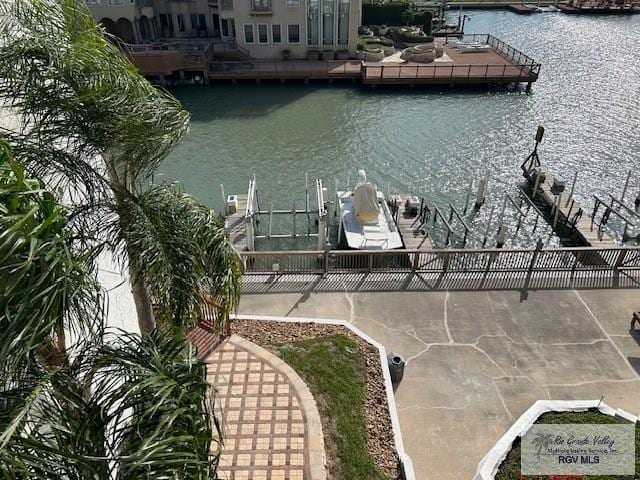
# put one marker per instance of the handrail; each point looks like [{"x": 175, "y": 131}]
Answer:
[{"x": 572, "y": 259}]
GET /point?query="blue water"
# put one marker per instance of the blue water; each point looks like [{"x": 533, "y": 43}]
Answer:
[{"x": 431, "y": 142}]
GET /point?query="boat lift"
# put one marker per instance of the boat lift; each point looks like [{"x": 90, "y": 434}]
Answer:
[{"x": 317, "y": 214}]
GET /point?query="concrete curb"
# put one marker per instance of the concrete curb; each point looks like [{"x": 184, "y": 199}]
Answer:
[
  {"x": 488, "y": 466},
  {"x": 405, "y": 460}
]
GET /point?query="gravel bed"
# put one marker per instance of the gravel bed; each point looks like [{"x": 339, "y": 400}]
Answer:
[{"x": 380, "y": 441}]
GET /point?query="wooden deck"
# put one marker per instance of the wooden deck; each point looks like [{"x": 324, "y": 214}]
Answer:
[
  {"x": 235, "y": 225},
  {"x": 409, "y": 227},
  {"x": 501, "y": 65},
  {"x": 494, "y": 66}
]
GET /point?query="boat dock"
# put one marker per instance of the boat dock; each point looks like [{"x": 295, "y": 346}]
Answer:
[
  {"x": 501, "y": 64},
  {"x": 590, "y": 233},
  {"x": 235, "y": 224},
  {"x": 414, "y": 236}
]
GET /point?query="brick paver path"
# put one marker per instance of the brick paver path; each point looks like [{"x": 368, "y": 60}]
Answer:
[{"x": 271, "y": 426}]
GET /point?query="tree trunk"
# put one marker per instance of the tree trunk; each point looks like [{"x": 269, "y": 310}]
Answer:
[
  {"x": 144, "y": 310},
  {"x": 146, "y": 321}
]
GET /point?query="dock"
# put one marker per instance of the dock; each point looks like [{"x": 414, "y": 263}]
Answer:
[
  {"x": 409, "y": 227},
  {"x": 587, "y": 231},
  {"x": 501, "y": 65},
  {"x": 520, "y": 9},
  {"x": 235, "y": 224},
  {"x": 593, "y": 8}
]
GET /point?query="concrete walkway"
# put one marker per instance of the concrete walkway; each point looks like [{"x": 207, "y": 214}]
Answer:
[
  {"x": 271, "y": 425},
  {"x": 476, "y": 360}
]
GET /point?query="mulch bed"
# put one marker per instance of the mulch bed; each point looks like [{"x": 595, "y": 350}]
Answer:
[{"x": 379, "y": 430}]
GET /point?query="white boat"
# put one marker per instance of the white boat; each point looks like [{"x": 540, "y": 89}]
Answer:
[
  {"x": 474, "y": 48},
  {"x": 366, "y": 222}
]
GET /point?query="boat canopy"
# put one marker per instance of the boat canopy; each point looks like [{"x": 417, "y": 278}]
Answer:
[{"x": 365, "y": 203}]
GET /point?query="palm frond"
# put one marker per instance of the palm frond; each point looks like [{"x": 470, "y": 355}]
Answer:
[{"x": 182, "y": 248}]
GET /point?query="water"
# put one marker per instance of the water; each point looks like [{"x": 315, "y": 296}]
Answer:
[{"x": 427, "y": 141}]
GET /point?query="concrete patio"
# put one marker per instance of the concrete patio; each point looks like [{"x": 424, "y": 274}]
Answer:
[{"x": 477, "y": 359}]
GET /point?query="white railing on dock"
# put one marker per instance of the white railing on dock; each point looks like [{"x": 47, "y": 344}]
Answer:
[{"x": 445, "y": 261}]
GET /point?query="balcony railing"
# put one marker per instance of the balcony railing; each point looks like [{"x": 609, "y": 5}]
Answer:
[{"x": 260, "y": 6}]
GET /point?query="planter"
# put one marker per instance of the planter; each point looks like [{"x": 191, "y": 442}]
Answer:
[
  {"x": 376, "y": 55},
  {"x": 425, "y": 47},
  {"x": 419, "y": 56},
  {"x": 439, "y": 50},
  {"x": 489, "y": 465},
  {"x": 388, "y": 51}
]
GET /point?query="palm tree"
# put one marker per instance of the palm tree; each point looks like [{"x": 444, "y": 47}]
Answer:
[
  {"x": 96, "y": 128},
  {"x": 103, "y": 405}
]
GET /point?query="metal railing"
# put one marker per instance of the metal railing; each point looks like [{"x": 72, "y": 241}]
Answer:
[
  {"x": 521, "y": 66},
  {"x": 444, "y": 261},
  {"x": 290, "y": 68},
  {"x": 260, "y": 6}
]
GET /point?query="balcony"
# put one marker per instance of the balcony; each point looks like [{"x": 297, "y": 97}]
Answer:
[
  {"x": 261, "y": 7},
  {"x": 226, "y": 4}
]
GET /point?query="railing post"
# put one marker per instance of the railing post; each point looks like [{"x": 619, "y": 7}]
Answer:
[
  {"x": 370, "y": 261},
  {"x": 326, "y": 262},
  {"x": 416, "y": 260},
  {"x": 620, "y": 260},
  {"x": 445, "y": 261}
]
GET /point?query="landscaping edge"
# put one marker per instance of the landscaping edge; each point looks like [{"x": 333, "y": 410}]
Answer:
[
  {"x": 488, "y": 466},
  {"x": 405, "y": 460}
]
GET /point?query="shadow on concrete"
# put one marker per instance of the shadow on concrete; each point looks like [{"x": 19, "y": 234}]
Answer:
[{"x": 423, "y": 282}]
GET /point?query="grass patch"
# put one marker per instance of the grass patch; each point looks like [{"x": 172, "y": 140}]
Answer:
[
  {"x": 510, "y": 468},
  {"x": 333, "y": 369}
]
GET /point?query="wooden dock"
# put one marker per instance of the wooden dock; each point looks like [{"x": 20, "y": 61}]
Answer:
[
  {"x": 409, "y": 227},
  {"x": 235, "y": 224},
  {"x": 520, "y": 9},
  {"x": 590, "y": 234},
  {"x": 501, "y": 65}
]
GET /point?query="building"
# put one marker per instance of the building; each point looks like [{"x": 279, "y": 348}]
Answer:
[{"x": 260, "y": 29}]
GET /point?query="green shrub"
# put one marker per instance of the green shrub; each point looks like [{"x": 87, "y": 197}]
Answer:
[{"x": 392, "y": 14}]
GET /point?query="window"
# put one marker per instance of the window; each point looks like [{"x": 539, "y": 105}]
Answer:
[
  {"x": 94, "y": 2},
  {"x": 328, "y": 15},
  {"x": 276, "y": 34},
  {"x": 263, "y": 36},
  {"x": 248, "y": 33},
  {"x": 343, "y": 22},
  {"x": 313, "y": 22},
  {"x": 180, "y": 23},
  {"x": 166, "y": 22},
  {"x": 261, "y": 5},
  {"x": 224, "y": 26},
  {"x": 293, "y": 3},
  {"x": 194, "y": 21},
  {"x": 202, "y": 22},
  {"x": 116, "y": 2},
  {"x": 293, "y": 33}
]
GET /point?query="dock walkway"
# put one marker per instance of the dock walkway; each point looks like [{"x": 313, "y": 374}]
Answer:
[
  {"x": 235, "y": 224},
  {"x": 409, "y": 227},
  {"x": 589, "y": 233}
]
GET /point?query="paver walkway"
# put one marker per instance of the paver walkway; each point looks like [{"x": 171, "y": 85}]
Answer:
[{"x": 271, "y": 426}]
